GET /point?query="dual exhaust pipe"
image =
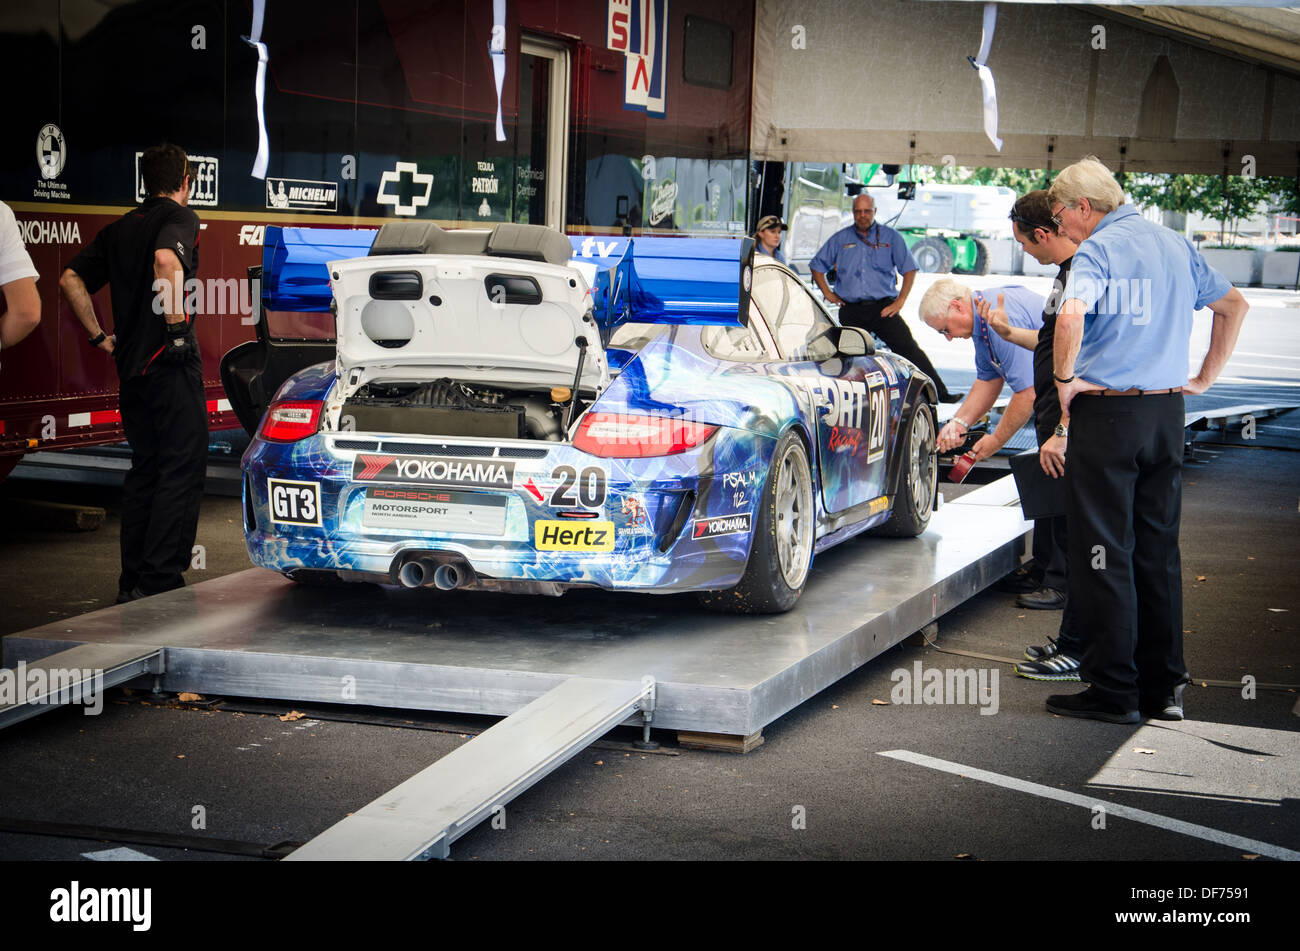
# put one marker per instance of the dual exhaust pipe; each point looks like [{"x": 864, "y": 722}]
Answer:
[{"x": 446, "y": 575}]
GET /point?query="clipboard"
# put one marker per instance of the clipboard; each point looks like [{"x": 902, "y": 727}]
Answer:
[{"x": 1041, "y": 496}]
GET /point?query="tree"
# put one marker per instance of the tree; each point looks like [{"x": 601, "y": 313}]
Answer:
[{"x": 1206, "y": 195}]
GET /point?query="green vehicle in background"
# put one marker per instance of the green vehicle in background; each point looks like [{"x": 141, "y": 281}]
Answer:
[{"x": 945, "y": 226}]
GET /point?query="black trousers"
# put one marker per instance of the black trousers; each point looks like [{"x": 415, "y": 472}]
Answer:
[
  {"x": 1124, "y": 485},
  {"x": 894, "y": 332},
  {"x": 164, "y": 415}
]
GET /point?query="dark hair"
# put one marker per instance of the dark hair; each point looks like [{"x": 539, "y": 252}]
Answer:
[
  {"x": 163, "y": 168},
  {"x": 1032, "y": 211}
]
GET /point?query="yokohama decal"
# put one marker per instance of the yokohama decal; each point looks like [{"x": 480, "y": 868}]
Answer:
[
  {"x": 468, "y": 473},
  {"x": 725, "y": 525}
]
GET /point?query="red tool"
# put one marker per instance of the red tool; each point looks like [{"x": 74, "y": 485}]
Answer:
[{"x": 961, "y": 467}]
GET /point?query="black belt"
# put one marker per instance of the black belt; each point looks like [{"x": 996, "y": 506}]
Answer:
[
  {"x": 873, "y": 300},
  {"x": 1132, "y": 392}
]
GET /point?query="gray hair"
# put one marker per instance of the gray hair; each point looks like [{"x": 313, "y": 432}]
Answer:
[{"x": 1087, "y": 178}]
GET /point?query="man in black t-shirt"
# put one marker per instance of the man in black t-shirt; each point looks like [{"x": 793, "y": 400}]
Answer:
[
  {"x": 145, "y": 257},
  {"x": 1033, "y": 228}
]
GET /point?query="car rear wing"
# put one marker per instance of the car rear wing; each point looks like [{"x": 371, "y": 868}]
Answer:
[
  {"x": 667, "y": 280},
  {"x": 294, "y": 272},
  {"x": 647, "y": 280}
]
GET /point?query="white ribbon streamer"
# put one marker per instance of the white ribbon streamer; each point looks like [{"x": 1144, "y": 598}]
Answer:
[
  {"x": 254, "y": 39},
  {"x": 499, "y": 57},
  {"x": 987, "y": 89}
]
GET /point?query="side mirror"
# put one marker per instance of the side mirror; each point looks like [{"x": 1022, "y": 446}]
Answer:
[
  {"x": 855, "y": 342},
  {"x": 906, "y": 191}
]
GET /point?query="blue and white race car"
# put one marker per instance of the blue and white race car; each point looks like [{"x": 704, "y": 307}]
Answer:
[{"x": 514, "y": 410}]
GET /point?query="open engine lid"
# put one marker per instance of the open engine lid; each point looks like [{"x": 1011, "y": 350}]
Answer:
[
  {"x": 667, "y": 280},
  {"x": 497, "y": 320}
]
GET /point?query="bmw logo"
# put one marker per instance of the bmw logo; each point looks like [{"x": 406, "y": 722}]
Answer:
[{"x": 51, "y": 151}]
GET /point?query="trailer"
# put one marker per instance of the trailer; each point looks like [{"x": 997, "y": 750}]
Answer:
[{"x": 626, "y": 117}]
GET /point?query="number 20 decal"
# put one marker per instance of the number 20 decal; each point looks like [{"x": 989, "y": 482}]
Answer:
[
  {"x": 590, "y": 486},
  {"x": 878, "y": 398}
]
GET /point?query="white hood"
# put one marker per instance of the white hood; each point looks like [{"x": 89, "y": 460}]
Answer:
[{"x": 458, "y": 329}]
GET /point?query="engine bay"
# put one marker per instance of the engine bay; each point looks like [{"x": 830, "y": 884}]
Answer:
[{"x": 447, "y": 407}]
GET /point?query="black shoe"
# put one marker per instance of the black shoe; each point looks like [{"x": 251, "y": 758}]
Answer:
[
  {"x": 1044, "y": 599},
  {"x": 1024, "y": 579},
  {"x": 125, "y": 596},
  {"x": 1091, "y": 707},
  {"x": 952, "y": 397},
  {"x": 1168, "y": 706}
]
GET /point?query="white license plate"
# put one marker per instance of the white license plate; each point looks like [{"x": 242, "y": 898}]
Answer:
[{"x": 434, "y": 510}]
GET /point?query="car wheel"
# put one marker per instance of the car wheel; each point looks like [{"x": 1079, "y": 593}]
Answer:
[
  {"x": 917, "y": 482},
  {"x": 933, "y": 255},
  {"x": 783, "y": 539},
  {"x": 981, "y": 265}
]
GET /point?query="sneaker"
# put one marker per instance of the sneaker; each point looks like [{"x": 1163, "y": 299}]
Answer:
[
  {"x": 1057, "y": 667},
  {"x": 1024, "y": 579},
  {"x": 1090, "y": 706},
  {"x": 1042, "y": 599},
  {"x": 1050, "y": 649}
]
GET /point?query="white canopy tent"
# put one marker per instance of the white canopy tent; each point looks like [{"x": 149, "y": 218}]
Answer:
[{"x": 1151, "y": 87}]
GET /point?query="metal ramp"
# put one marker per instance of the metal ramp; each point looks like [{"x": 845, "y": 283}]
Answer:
[
  {"x": 73, "y": 676},
  {"x": 422, "y": 817}
]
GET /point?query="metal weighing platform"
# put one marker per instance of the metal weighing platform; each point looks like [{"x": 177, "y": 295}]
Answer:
[{"x": 562, "y": 670}]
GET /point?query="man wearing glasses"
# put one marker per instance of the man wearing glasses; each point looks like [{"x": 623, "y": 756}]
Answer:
[
  {"x": 1121, "y": 362},
  {"x": 954, "y": 310},
  {"x": 864, "y": 258}
]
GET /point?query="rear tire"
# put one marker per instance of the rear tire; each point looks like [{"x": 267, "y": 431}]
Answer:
[
  {"x": 918, "y": 481},
  {"x": 933, "y": 255},
  {"x": 783, "y": 539}
]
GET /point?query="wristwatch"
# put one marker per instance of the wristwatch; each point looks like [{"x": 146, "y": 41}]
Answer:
[
  {"x": 1061, "y": 430},
  {"x": 96, "y": 341}
]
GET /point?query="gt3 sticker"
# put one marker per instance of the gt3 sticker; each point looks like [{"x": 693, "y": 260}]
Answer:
[
  {"x": 294, "y": 503},
  {"x": 723, "y": 525}
]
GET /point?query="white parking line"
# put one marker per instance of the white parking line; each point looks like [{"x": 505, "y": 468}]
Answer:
[{"x": 1251, "y": 846}]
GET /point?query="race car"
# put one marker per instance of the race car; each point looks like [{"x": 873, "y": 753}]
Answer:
[{"x": 515, "y": 410}]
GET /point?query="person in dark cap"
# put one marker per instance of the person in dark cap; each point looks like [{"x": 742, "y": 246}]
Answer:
[{"x": 768, "y": 236}]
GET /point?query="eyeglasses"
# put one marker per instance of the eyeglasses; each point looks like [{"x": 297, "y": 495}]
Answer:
[{"x": 1056, "y": 215}]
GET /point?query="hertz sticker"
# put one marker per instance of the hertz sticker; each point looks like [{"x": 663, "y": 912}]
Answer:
[{"x": 567, "y": 536}]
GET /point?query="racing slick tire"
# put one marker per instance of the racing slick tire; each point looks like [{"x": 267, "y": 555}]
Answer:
[
  {"x": 933, "y": 255},
  {"x": 918, "y": 481},
  {"x": 783, "y": 539}
]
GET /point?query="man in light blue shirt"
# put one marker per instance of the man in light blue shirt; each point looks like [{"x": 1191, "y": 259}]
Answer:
[
  {"x": 953, "y": 310},
  {"x": 864, "y": 258},
  {"x": 1121, "y": 363}
]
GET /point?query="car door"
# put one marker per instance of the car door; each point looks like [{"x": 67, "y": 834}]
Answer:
[{"x": 850, "y": 393}]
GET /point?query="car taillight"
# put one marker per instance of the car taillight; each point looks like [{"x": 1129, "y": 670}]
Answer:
[
  {"x": 630, "y": 436},
  {"x": 291, "y": 420}
]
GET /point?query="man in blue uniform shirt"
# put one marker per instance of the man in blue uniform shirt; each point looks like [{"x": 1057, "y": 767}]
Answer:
[
  {"x": 951, "y": 309},
  {"x": 865, "y": 257},
  {"x": 1121, "y": 364}
]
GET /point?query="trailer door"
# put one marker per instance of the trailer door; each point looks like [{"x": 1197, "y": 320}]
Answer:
[{"x": 541, "y": 149}]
